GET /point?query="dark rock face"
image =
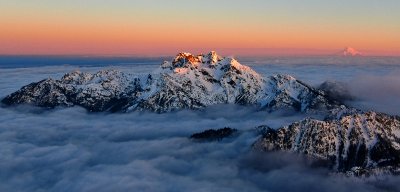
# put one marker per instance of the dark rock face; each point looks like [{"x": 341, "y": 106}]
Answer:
[
  {"x": 188, "y": 82},
  {"x": 363, "y": 142},
  {"x": 214, "y": 134}
]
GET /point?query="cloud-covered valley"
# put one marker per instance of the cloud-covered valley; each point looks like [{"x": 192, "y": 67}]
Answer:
[{"x": 71, "y": 150}]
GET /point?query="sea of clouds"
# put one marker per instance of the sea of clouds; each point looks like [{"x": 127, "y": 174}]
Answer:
[{"x": 69, "y": 149}]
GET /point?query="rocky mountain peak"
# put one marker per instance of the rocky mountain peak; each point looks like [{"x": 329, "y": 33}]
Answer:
[
  {"x": 185, "y": 59},
  {"x": 211, "y": 58},
  {"x": 76, "y": 77}
]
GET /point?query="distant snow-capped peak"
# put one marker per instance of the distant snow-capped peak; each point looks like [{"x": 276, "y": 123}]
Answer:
[{"x": 349, "y": 51}]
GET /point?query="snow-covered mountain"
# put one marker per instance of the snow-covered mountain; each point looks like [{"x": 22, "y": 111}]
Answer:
[
  {"x": 187, "y": 82},
  {"x": 350, "y": 52},
  {"x": 355, "y": 142}
]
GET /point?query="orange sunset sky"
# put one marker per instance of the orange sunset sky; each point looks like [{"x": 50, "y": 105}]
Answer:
[{"x": 163, "y": 27}]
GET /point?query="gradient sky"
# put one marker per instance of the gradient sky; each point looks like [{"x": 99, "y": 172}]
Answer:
[{"x": 150, "y": 27}]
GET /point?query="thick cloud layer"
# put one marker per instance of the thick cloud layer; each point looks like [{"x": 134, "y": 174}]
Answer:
[
  {"x": 71, "y": 150},
  {"x": 368, "y": 92},
  {"x": 378, "y": 92}
]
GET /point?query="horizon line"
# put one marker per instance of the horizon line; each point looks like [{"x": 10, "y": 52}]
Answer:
[{"x": 242, "y": 52}]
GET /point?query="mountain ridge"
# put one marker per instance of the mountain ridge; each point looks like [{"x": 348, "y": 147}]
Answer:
[
  {"x": 354, "y": 142},
  {"x": 187, "y": 82}
]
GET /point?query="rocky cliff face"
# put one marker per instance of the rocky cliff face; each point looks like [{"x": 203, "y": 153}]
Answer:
[
  {"x": 359, "y": 143},
  {"x": 188, "y": 82}
]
